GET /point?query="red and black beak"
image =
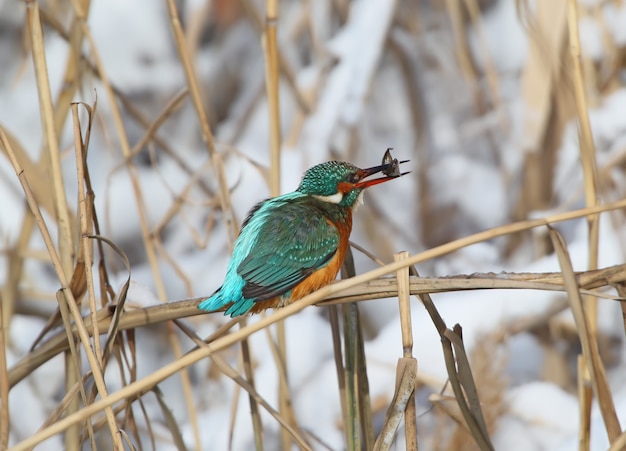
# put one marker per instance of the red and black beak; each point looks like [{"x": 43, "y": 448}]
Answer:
[{"x": 390, "y": 170}]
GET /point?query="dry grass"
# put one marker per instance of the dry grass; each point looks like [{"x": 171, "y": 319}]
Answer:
[{"x": 557, "y": 82}]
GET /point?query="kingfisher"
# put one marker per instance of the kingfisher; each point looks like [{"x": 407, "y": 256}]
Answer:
[{"x": 295, "y": 243}]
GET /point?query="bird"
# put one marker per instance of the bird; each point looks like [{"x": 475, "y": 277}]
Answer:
[{"x": 295, "y": 243}]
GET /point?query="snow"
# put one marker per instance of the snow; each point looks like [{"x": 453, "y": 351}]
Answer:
[
  {"x": 505, "y": 38},
  {"x": 545, "y": 428},
  {"x": 361, "y": 108},
  {"x": 356, "y": 48}
]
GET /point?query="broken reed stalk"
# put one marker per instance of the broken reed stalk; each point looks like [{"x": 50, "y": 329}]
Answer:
[
  {"x": 459, "y": 374},
  {"x": 588, "y": 340},
  {"x": 403, "y": 402},
  {"x": 410, "y": 415}
]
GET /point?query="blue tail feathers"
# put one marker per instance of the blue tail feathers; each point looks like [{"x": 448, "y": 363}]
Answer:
[{"x": 217, "y": 302}]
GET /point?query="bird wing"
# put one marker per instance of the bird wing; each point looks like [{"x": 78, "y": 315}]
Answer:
[{"x": 289, "y": 247}]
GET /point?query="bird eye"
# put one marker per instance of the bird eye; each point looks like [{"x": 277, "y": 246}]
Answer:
[{"x": 354, "y": 178}]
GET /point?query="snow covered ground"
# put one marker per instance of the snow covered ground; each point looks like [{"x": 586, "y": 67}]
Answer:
[{"x": 468, "y": 164}]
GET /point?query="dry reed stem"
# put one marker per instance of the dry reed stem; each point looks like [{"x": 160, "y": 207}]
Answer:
[
  {"x": 170, "y": 422},
  {"x": 75, "y": 62},
  {"x": 134, "y": 112},
  {"x": 406, "y": 379},
  {"x": 335, "y": 328},
  {"x": 358, "y": 421},
  {"x": 140, "y": 386},
  {"x": 283, "y": 65},
  {"x": 350, "y": 321},
  {"x": 248, "y": 370},
  {"x": 65, "y": 241},
  {"x": 86, "y": 224},
  {"x": 186, "y": 386},
  {"x": 137, "y": 115},
  {"x": 587, "y": 150},
  {"x": 36, "y": 172},
  {"x": 270, "y": 50},
  {"x": 459, "y": 373},
  {"x": 65, "y": 296},
  {"x": 490, "y": 70},
  {"x": 588, "y": 340},
  {"x": 621, "y": 291},
  {"x": 52, "y": 156},
  {"x": 545, "y": 102},
  {"x": 5, "y": 422},
  {"x": 16, "y": 255},
  {"x": 192, "y": 79},
  {"x": 584, "y": 400},
  {"x": 145, "y": 231},
  {"x": 465, "y": 389},
  {"x": 620, "y": 443},
  {"x": 227, "y": 370},
  {"x": 461, "y": 48},
  {"x": 233, "y": 413},
  {"x": 196, "y": 97},
  {"x": 280, "y": 361},
  {"x": 171, "y": 106},
  {"x": 352, "y": 421},
  {"x": 374, "y": 289},
  {"x": 539, "y": 73},
  {"x": 126, "y": 151},
  {"x": 120, "y": 300},
  {"x": 404, "y": 306},
  {"x": 588, "y": 163}
]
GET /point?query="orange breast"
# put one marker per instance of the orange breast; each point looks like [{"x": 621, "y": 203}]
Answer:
[{"x": 319, "y": 278}]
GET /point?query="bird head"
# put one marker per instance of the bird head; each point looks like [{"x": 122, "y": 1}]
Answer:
[{"x": 342, "y": 183}]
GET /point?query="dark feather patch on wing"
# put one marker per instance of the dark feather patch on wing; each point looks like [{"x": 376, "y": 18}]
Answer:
[{"x": 260, "y": 293}]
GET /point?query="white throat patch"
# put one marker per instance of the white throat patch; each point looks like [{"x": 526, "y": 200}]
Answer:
[
  {"x": 332, "y": 199},
  {"x": 359, "y": 201}
]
